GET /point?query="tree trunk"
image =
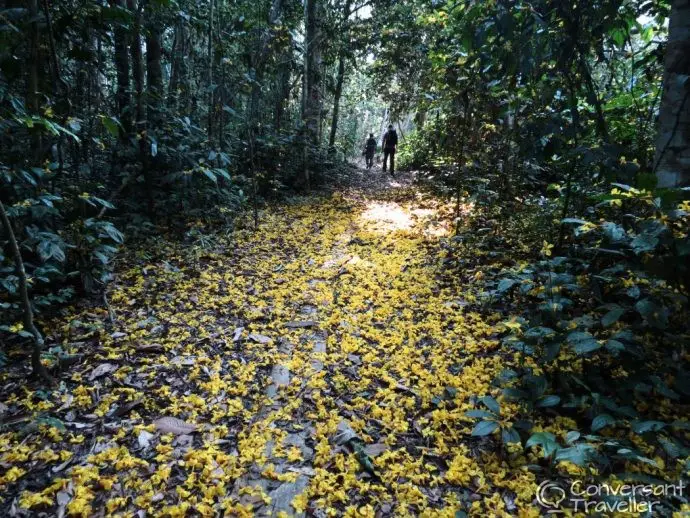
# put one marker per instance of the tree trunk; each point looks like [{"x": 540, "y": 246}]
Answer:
[
  {"x": 122, "y": 70},
  {"x": 154, "y": 71},
  {"x": 336, "y": 98},
  {"x": 593, "y": 98},
  {"x": 312, "y": 82},
  {"x": 312, "y": 65},
  {"x": 282, "y": 91},
  {"x": 28, "y": 315},
  {"x": 341, "y": 73},
  {"x": 32, "y": 95},
  {"x": 137, "y": 67},
  {"x": 209, "y": 70},
  {"x": 672, "y": 162},
  {"x": 178, "y": 89},
  {"x": 260, "y": 58}
]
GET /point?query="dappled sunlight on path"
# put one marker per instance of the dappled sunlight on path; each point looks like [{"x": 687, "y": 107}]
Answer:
[{"x": 387, "y": 217}]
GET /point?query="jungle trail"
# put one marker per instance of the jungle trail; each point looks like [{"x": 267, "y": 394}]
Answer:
[{"x": 344, "y": 258}]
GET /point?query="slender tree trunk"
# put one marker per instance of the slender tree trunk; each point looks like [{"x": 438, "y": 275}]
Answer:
[
  {"x": 312, "y": 83},
  {"x": 283, "y": 91},
  {"x": 60, "y": 87},
  {"x": 312, "y": 66},
  {"x": 140, "y": 117},
  {"x": 95, "y": 93},
  {"x": 572, "y": 167},
  {"x": 672, "y": 161},
  {"x": 177, "y": 91},
  {"x": 382, "y": 128},
  {"x": 32, "y": 94},
  {"x": 28, "y": 315},
  {"x": 260, "y": 58},
  {"x": 461, "y": 157},
  {"x": 174, "y": 67},
  {"x": 342, "y": 55},
  {"x": 336, "y": 98},
  {"x": 593, "y": 98},
  {"x": 122, "y": 71},
  {"x": 209, "y": 70},
  {"x": 137, "y": 67},
  {"x": 154, "y": 95},
  {"x": 154, "y": 72}
]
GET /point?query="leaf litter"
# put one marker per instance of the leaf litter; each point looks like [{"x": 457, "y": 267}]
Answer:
[{"x": 177, "y": 409}]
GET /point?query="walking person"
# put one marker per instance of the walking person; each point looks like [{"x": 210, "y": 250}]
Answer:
[
  {"x": 370, "y": 150},
  {"x": 390, "y": 140}
]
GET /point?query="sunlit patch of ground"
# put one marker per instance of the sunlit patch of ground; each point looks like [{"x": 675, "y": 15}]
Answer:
[{"x": 387, "y": 217}]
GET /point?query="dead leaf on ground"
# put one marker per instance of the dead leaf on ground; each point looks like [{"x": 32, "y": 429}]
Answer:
[
  {"x": 296, "y": 324},
  {"x": 102, "y": 370},
  {"x": 127, "y": 407},
  {"x": 174, "y": 425},
  {"x": 262, "y": 339},
  {"x": 150, "y": 348},
  {"x": 375, "y": 449},
  {"x": 344, "y": 433}
]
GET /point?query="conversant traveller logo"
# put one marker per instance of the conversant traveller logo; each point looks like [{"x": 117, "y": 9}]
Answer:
[{"x": 606, "y": 498}]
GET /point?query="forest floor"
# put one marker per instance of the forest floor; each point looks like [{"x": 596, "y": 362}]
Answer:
[{"x": 321, "y": 364}]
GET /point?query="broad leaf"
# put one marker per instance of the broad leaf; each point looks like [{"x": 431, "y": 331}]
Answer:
[{"x": 483, "y": 428}]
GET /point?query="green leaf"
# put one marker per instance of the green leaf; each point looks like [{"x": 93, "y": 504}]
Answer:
[
  {"x": 210, "y": 175},
  {"x": 655, "y": 315},
  {"x": 615, "y": 346},
  {"x": 113, "y": 233},
  {"x": 510, "y": 435},
  {"x": 491, "y": 404},
  {"x": 640, "y": 427},
  {"x": 602, "y": 421},
  {"x": 484, "y": 428},
  {"x": 572, "y": 436},
  {"x": 672, "y": 448},
  {"x": 647, "y": 34},
  {"x": 583, "y": 343},
  {"x": 551, "y": 351},
  {"x": 539, "y": 333},
  {"x": 548, "y": 401},
  {"x": 578, "y": 454},
  {"x": 613, "y": 232},
  {"x": 479, "y": 414},
  {"x": 544, "y": 439},
  {"x": 644, "y": 243},
  {"x": 514, "y": 394},
  {"x": 618, "y": 36},
  {"x": 111, "y": 124},
  {"x": 612, "y": 317},
  {"x": 505, "y": 285},
  {"x": 627, "y": 453}
]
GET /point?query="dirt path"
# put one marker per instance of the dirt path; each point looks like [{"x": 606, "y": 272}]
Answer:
[{"x": 324, "y": 365}]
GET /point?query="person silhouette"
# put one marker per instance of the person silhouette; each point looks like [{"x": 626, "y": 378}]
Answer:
[
  {"x": 369, "y": 150},
  {"x": 390, "y": 141}
]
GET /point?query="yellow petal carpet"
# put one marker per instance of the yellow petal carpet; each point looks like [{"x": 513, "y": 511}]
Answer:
[{"x": 342, "y": 297}]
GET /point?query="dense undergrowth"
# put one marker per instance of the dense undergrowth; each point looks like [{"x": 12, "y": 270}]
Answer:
[{"x": 594, "y": 293}]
